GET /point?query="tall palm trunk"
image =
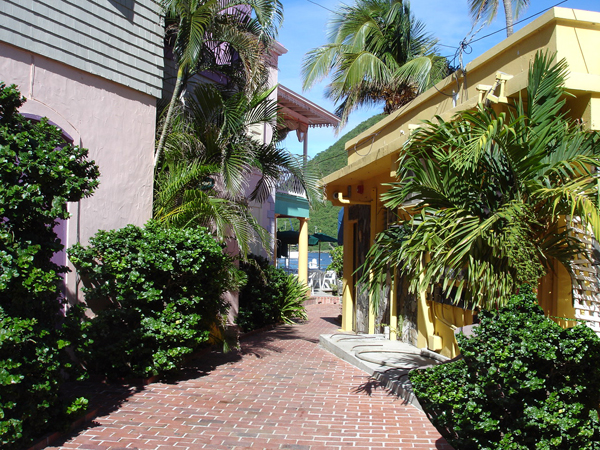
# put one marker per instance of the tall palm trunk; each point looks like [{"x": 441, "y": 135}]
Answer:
[
  {"x": 165, "y": 129},
  {"x": 508, "y": 12}
]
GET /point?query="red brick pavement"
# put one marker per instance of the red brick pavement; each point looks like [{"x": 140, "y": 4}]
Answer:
[{"x": 282, "y": 391}]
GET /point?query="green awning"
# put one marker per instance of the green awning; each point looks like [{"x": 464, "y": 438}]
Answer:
[{"x": 291, "y": 205}]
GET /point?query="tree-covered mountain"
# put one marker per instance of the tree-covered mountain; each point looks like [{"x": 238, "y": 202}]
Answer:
[{"x": 323, "y": 216}]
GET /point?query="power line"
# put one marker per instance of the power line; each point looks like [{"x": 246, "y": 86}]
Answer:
[
  {"x": 324, "y": 7},
  {"x": 463, "y": 48},
  {"x": 330, "y": 158},
  {"x": 520, "y": 21},
  {"x": 444, "y": 45}
]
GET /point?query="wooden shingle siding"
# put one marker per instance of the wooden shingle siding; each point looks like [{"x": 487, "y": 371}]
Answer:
[{"x": 121, "y": 40}]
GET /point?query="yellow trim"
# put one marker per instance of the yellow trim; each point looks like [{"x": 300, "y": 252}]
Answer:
[
  {"x": 373, "y": 235},
  {"x": 348, "y": 286},
  {"x": 393, "y": 313}
]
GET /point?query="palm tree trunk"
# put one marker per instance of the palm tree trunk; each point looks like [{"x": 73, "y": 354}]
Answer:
[
  {"x": 508, "y": 12},
  {"x": 165, "y": 129}
]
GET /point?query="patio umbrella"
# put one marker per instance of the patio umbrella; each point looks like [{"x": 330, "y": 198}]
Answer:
[
  {"x": 321, "y": 238},
  {"x": 291, "y": 237}
]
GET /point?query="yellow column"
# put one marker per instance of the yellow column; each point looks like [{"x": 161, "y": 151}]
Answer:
[
  {"x": 303, "y": 251},
  {"x": 373, "y": 229},
  {"x": 275, "y": 245},
  {"x": 424, "y": 320},
  {"x": 348, "y": 287},
  {"x": 393, "y": 312}
]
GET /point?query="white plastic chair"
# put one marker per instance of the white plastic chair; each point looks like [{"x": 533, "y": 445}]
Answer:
[
  {"x": 329, "y": 280},
  {"x": 313, "y": 281}
]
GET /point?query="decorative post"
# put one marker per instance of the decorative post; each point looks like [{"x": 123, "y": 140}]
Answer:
[{"x": 303, "y": 251}]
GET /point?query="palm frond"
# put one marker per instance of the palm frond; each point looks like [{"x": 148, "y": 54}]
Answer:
[
  {"x": 489, "y": 194},
  {"x": 369, "y": 44}
]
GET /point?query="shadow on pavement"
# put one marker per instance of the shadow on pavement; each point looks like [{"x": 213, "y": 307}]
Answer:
[
  {"x": 333, "y": 320},
  {"x": 107, "y": 397},
  {"x": 441, "y": 444},
  {"x": 104, "y": 398}
]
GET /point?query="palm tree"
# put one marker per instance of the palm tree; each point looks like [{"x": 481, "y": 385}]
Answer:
[
  {"x": 209, "y": 156},
  {"x": 494, "y": 195},
  {"x": 377, "y": 53},
  {"x": 226, "y": 35},
  {"x": 487, "y": 10}
]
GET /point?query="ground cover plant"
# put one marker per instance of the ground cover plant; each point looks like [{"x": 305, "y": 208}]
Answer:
[
  {"x": 523, "y": 383},
  {"x": 270, "y": 296},
  {"x": 156, "y": 294},
  {"x": 39, "y": 173}
]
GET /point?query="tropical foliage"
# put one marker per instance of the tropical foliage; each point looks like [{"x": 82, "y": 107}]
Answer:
[
  {"x": 270, "y": 296},
  {"x": 39, "y": 173},
  {"x": 487, "y": 10},
  {"x": 210, "y": 158},
  {"x": 490, "y": 194},
  {"x": 522, "y": 383},
  {"x": 337, "y": 261},
  {"x": 156, "y": 294},
  {"x": 377, "y": 52},
  {"x": 230, "y": 38},
  {"x": 209, "y": 154}
]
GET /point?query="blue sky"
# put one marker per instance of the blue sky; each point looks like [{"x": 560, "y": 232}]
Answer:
[{"x": 305, "y": 28}]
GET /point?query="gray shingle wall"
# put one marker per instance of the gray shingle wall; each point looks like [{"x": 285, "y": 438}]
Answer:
[{"x": 121, "y": 40}]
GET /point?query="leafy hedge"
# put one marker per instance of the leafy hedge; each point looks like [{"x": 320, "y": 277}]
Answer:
[
  {"x": 156, "y": 293},
  {"x": 337, "y": 261},
  {"x": 39, "y": 173},
  {"x": 270, "y": 296},
  {"x": 524, "y": 383}
]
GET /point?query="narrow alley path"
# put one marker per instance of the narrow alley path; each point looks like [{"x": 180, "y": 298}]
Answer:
[{"x": 282, "y": 391}]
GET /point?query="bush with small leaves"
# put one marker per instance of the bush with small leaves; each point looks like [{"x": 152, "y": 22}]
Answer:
[
  {"x": 523, "y": 383},
  {"x": 39, "y": 174},
  {"x": 156, "y": 293}
]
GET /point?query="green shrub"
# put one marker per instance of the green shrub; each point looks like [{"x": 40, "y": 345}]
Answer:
[
  {"x": 31, "y": 365},
  {"x": 270, "y": 296},
  {"x": 337, "y": 261},
  {"x": 39, "y": 173},
  {"x": 156, "y": 293},
  {"x": 524, "y": 383}
]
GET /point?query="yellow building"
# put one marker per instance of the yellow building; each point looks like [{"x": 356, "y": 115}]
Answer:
[{"x": 497, "y": 75}]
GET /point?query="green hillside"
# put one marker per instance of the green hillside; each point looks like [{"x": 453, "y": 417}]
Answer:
[{"x": 323, "y": 216}]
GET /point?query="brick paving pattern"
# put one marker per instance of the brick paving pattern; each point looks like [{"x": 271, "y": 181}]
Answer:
[{"x": 281, "y": 391}]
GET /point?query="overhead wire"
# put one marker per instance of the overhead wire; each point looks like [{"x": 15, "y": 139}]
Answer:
[
  {"x": 464, "y": 48},
  {"x": 324, "y": 7},
  {"x": 520, "y": 21}
]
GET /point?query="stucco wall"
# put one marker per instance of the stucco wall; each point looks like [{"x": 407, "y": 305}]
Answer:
[{"x": 114, "y": 122}]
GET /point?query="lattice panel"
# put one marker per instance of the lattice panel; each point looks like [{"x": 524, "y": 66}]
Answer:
[{"x": 586, "y": 283}]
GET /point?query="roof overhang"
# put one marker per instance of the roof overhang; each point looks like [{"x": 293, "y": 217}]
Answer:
[
  {"x": 298, "y": 108},
  {"x": 287, "y": 205}
]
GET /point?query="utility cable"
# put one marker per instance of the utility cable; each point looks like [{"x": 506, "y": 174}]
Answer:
[
  {"x": 325, "y": 7},
  {"x": 520, "y": 21}
]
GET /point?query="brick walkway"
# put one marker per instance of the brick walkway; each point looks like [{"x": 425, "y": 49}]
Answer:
[{"x": 282, "y": 391}]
